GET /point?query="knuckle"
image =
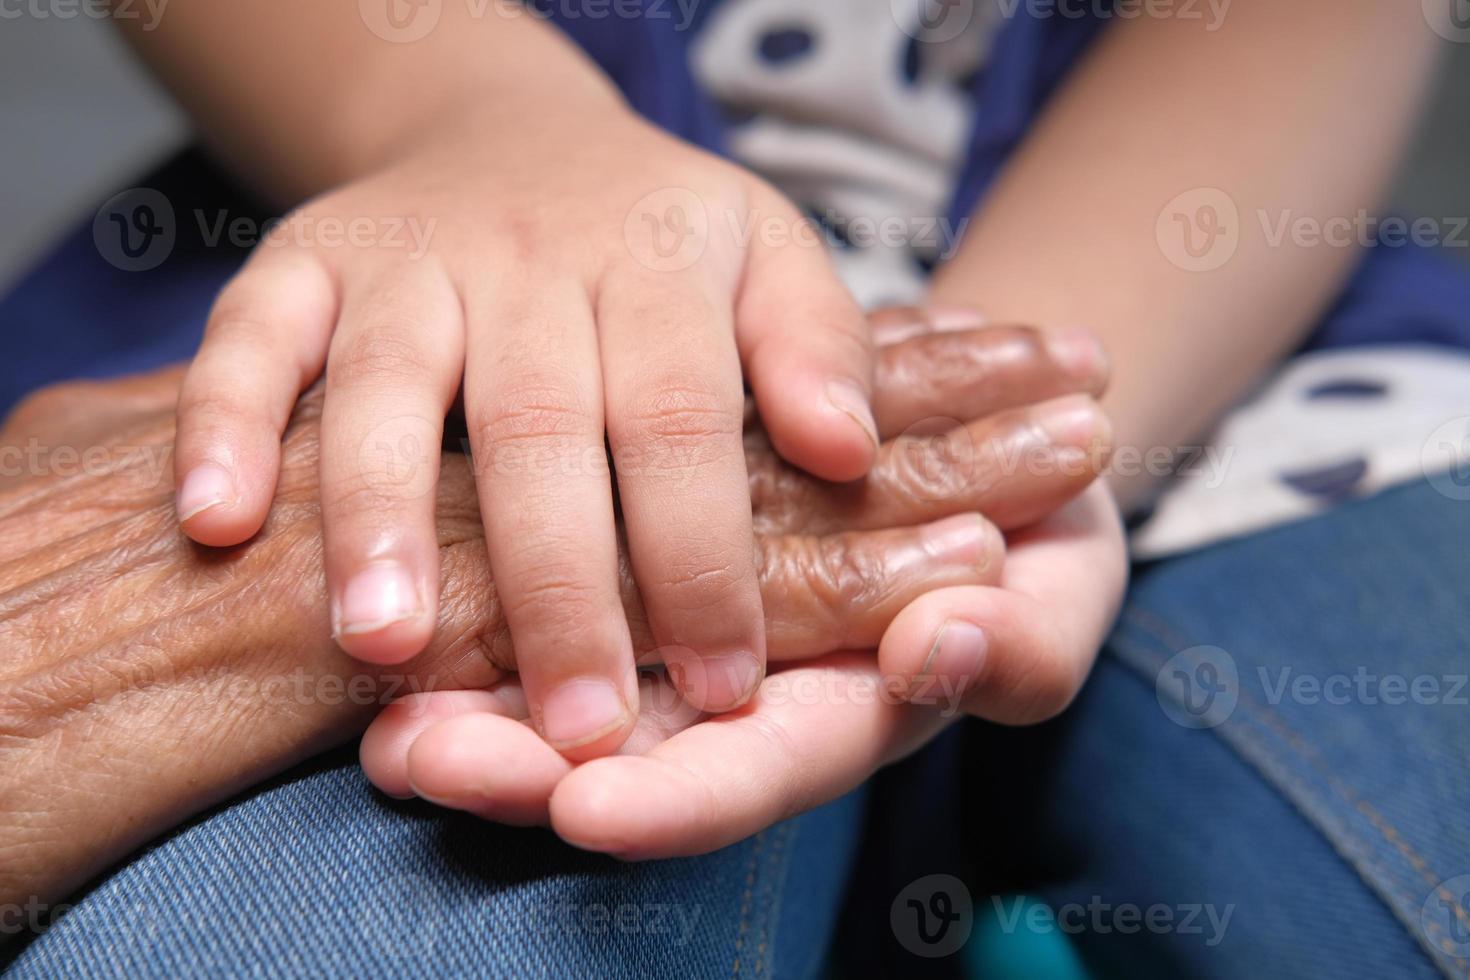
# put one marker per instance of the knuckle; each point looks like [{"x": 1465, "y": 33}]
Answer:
[
  {"x": 51, "y": 400},
  {"x": 384, "y": 352},
  {"x": 844, "y": 576},
  {"x": 533, "y": 425},
  {"x": 215, "y": 406},
  {"x": 700, "y": 582},
  {"x": 944, "y": 466},
  {"x": 534, "y": 412},
  {"x": 674, "y": 424},
  {"x": 548, "y": 596}
]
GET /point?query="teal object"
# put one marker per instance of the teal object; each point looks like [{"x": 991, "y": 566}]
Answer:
[{"x": 1005, "y": 946}]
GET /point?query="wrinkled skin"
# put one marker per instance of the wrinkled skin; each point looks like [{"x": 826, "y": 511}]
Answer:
[{"x": 146, "y": 677}]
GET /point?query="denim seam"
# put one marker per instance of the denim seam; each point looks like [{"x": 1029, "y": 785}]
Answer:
[
  {"x": 1157, "y": 628},
  {"x": 774, "y": 876},
  {"x": 757, "y": 845},
  {"x": 1170, "y": 636},
  {"x": 1286, "y": 780}
]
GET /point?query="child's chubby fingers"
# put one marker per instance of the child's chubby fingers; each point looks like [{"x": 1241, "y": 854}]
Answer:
[
  {"x": 265, "y": 342},
  {"x": 534, "y": 403},
  {"x": 675, "y": 413},
  {"x": 392, "y": 372},
  {"x": 807, "y": 351},
  {"x": 471, "y": 750}
]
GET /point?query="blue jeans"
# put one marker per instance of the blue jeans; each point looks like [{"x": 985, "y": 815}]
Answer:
[{"x": 1278, "y": 804}]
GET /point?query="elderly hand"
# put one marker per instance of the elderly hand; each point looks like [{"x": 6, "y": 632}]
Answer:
[
  {"x": 147, "y": 678},
  {"x": 686, "y": 782}
]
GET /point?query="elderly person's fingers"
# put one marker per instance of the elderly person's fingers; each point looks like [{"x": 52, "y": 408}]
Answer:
[
  {"x": 820, "y": 592},
  {"x": 1018, "y": 654},
  {"x": 1014, "y": 467},
  {"x": 935, "y": 380},
  {"x": 465, "y": 749},
  {"x": 840, "y": 591}
]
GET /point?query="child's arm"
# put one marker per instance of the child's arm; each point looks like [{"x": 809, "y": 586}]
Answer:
[
  {"x": 302, "y": 97},
  {"x": 586, "y": 275},
  {"x": 1292, "y": 109}
]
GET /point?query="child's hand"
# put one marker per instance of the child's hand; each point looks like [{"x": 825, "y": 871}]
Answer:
[{"x": 584, "y": 274}]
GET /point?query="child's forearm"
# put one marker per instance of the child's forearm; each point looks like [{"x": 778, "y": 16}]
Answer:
[
  {"x": 1293, "y": 110},
  {"x": 300, "y": 97}
]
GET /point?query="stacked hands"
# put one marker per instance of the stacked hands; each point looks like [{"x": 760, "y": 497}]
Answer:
[{"x": 147, "y": 677}]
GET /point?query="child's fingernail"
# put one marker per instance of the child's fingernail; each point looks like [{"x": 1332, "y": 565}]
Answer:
[
  {"x": 205, "y": 486},
  {"x": 849, "y": 399},
  {"x": 965, "y": 539},
  {"x": 581, "y": 711},
  {"x": 958, "y": 652},
  {"x": 947, "y": 319},
  {"x": 1079, "y": 353},
  {"x": 378, "y": 596}
]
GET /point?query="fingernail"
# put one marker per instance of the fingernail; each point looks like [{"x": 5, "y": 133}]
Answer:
[
  {"x": 958, "y": 652},
  {"x": 1079, "y": 353},
  {"x": 1072, "y": 421},
  {"x": 719, "y": 682},
  {"x": 205, "y": 486},
  {"x": 378, "y": 596},
  {"x": 849, "y": 399},
  {"x": 965, "y": 539},
  {"x": 951, "y": 318},
  {"x": 581, "y": 711}
]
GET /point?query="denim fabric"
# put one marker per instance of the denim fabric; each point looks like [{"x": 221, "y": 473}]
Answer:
[
  {"x": 1331, "y": 833},
  {"x": 317, "y": 875}
]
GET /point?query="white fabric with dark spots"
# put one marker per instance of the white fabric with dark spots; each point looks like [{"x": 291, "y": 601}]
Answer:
[
  {"x": 842, "y": 106},
  {"x": 856, "y": 119}
]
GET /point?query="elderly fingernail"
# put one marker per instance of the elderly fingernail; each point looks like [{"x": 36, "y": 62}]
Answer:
[
  {"x": 947, "y": 319},
  {"x": 376, "y": 597},
  {"x": 581, "y": 711},
  {"x": 1072, "y": 421},
  {"x": 205, "y": 487},
  {"x": 718, "y": 682},
  {"x": 1079, "y": 353},
  {"x": 958, "y": 652},
  {"x": 850, "y": 400},
  {"x": 965, "y": 539}
]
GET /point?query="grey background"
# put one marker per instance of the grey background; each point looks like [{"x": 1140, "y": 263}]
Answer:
[{"x": 79, "y": 117}]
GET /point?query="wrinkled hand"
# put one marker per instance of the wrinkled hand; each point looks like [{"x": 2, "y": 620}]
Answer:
[
  {"x": 146, "y": 678},
  {"x": 1015, "y": 649}
]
